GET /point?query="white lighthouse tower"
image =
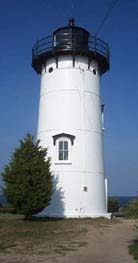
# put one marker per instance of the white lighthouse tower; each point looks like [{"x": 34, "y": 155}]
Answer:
[{"x": 71, "y": 63}]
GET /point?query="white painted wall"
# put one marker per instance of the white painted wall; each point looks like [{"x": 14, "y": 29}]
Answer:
[{"x": 70, "y": 103}]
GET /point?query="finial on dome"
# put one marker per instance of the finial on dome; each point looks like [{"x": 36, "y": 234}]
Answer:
[{"x": 71, "y": 21}]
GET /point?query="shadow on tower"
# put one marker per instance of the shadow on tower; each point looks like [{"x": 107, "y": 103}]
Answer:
[{"x": 56, "y": 207}]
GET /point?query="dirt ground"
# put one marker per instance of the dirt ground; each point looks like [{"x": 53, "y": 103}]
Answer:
[{"x": 106, "y": 244}]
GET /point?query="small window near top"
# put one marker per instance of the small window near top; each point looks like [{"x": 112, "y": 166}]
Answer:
[
  {"x": 94, "y": 71},
  {"x": 50, "y": 69},
  {"x": 63, "y": 151}
]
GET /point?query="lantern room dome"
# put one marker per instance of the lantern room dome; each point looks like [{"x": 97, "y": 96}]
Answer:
[{"x": 71, "y": 38}]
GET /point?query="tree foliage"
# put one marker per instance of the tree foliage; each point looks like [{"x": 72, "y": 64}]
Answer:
[
  {"x": 113, "y": 205},
  {"x": 131, "y": 209},
  {"x": 28, "y": 179}
]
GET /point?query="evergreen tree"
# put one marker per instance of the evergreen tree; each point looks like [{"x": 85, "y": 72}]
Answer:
[{"x": 28, "y": 179}]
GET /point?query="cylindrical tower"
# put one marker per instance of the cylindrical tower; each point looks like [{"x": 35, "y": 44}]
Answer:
[{"x": 70, "y": 119}]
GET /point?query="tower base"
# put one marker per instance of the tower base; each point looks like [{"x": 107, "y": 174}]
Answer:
[{"x": 94, "y": 215}]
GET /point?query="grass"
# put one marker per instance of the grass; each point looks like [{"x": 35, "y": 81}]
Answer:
[
  {"x": 4, "y": 244},
  {"x": 44, "y": 237},
  {"x": 133, "y": 249}
]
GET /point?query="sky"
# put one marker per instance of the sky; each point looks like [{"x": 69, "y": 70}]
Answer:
[{"x": 21, "y": 24}]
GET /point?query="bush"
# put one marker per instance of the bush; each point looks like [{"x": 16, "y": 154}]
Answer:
[
  {"x": 28, "y": 179},
  {"x": 1, "y": 206},
  {"x": 113, "y": 205},
  {"x": 131, "y": 209},
  {"x": 133, "y": 249}
]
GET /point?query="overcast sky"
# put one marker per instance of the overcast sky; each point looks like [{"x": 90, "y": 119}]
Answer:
[{"x": 21, "y": 23}]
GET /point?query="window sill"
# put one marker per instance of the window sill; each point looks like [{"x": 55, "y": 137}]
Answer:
[{"x": 62, "y": 163}]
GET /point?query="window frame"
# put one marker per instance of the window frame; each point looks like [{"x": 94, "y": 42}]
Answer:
[
  {"x": 63, "y": 149},
  {"x": 57, "y": 138},
  {"x": 63, "y": 139}
]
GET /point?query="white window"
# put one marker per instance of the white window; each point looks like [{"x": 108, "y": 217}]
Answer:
[
  {"x": 63, "y": 150},
  {"x": 63, "y": 143}
]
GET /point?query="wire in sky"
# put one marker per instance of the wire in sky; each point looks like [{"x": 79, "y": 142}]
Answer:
[{"x": 113, "y": 4}]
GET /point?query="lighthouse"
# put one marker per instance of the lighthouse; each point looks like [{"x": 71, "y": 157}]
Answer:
[{"x": 70, "y": 122}]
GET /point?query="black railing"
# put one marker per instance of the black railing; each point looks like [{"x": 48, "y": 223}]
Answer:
[
  {"x": 99, "y": 46},
  {"x": 72, "y": 42},
  {"x": 43, "y": 45}
]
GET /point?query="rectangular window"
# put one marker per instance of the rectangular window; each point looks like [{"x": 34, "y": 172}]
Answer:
[{"x": 63, "y": 150}]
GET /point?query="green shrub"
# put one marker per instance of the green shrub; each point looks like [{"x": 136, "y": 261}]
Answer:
[
  {"x": 133, "y": 249},
  {"x": 1, "y": 205},
  {"x": 28, "y": 178},
  {"x": 131, "y": 209},
  {"x": 113, "y": 205}
]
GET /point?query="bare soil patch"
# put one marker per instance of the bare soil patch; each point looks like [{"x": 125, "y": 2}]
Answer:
[{"x": 70, "y": 240}]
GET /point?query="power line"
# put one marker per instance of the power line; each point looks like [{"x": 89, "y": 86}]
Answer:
[{"x": 113, "y": 4}]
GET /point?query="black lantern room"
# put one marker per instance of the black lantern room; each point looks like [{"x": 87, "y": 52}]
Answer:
[{"x": 71, "y": 40}]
